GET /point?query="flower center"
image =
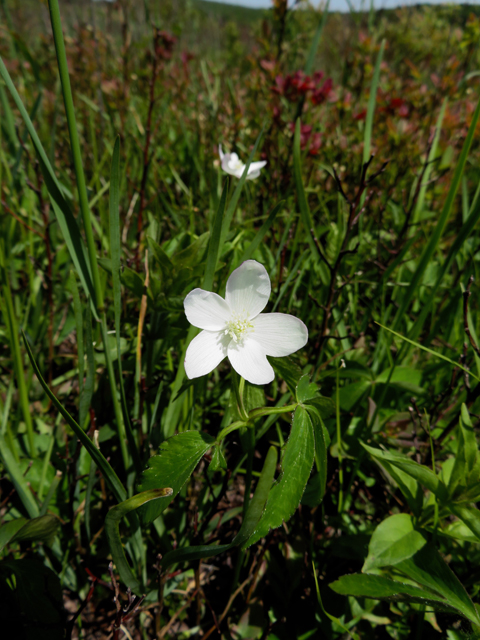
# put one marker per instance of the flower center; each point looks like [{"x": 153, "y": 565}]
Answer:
[
  {"x": 236, "y": 164},
  {"x": 238, "y": 328}
]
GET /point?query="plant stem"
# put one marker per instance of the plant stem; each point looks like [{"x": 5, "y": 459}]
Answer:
[{"x": 239, "y": 387}]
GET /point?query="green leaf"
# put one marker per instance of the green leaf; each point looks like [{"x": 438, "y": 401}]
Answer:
[
  {"x": 287, "y": 369},
  {"x": 471, "y": 446},
  {"x": 405, "y": 378},
  {"x": 297, "y": 463},
  {"x": 409, "y": 487},
  {"x": 175, "y": 463},
  {"x": 19, "y": 482},
  {"x": 189, "y": 554},
  {"x": 423, "y": 474},
  {"x": 40, "y": 529},
  {"x": 218, "y": 460},
  {"x": 350, "y": 394},
  {"x": 257, "y": 503},
  {"x": 360, "y": 585},
  {"x": 393, "y": 540},
  {"x": 112, "y": 521},
  {"x": 325, "y": 407},
  {"x": 160, "y": 256},
  {"x": 9, "y": 529},
  {"x": 192, "y": 255},
  {"x": 316, "y": 486},
  {"x": 305, "y": 390},
  {"x": 469, "y": 515},
  {"x": 429, "y": 569}
]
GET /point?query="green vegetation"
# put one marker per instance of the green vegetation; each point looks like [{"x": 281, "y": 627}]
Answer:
[{"x": 338, "y": 500}]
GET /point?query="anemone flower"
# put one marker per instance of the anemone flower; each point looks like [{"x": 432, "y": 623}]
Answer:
[
  {"x": 236, "y": 327},
  {"x": 232, "y": 164}
]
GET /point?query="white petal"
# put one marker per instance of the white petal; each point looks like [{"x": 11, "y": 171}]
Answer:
[
  {"x": 279, "y": 334},
  {"x": 256, "y": 166},
  {"x": 224, "y": 161},
  {"x": 233, "y": 160},
  {"x": 250, "y": 361},
  {"x": 205, "y": 352},
  {"x": 252, "y": 176},
  {"x": 206, "y": 310},
  {"x": 220, "y": 152},
  {"x": 248, "y": 289}
]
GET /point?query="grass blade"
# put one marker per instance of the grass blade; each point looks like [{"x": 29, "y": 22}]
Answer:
[
  {"x": 100, "y": 460},
  {"x": 75, "y": 146},
  {"x": 372, "y": 100},
  {"x": 434, "y": 353},
  {"x": 440, "y": 226}
]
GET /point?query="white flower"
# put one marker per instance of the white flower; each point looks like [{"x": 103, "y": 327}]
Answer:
[
  {"x": 235, "y": 327},
  {"x": 234, "y": 166}
]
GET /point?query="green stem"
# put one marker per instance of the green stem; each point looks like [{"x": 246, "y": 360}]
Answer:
[
  {"x": 265, "y": 411},
  {"x": 239, "y": 387},
  {"x": 75, "y": 145},
  {"x": 233, "y": 427}
]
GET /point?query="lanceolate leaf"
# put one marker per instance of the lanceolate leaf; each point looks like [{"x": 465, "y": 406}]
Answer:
[
  {"x": 381, "y": 588},
  {"x": 257, "y": 503},
  {"x": 423, "y": 474},
  {"x": 175, "y": 463},
  {"x": 297, "y": 463},
  {"x": 428, "y": 568}
]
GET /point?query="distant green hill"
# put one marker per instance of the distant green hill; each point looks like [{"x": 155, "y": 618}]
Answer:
[{"x": 230, "y": 11}]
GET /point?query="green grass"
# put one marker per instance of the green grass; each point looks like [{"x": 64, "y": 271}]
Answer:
[{"x": 297, "y": 509}]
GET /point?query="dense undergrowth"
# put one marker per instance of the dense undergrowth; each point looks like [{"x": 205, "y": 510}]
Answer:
[{"x": 365, "y": 219}]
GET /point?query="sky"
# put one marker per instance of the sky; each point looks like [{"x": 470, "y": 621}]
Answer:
[{"x": 342, "y": 5}]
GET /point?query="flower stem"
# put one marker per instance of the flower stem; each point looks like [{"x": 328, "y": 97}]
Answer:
[
  {"x": 232, "y": 427},
  {"x": 265, "y": 411},
  {"x": 239, "y": 387}
]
